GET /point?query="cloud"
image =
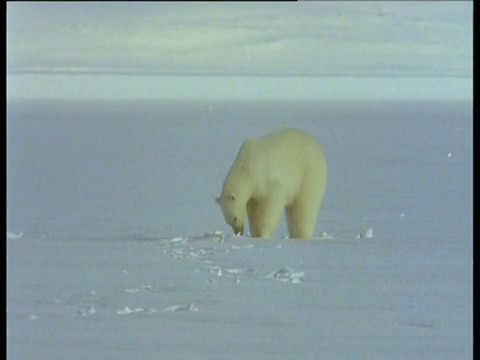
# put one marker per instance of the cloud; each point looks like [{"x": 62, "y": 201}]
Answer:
[{"x": 306, "y": 39}]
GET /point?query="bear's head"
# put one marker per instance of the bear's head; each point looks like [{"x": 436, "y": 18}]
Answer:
[{"x": 233, "y": 211}]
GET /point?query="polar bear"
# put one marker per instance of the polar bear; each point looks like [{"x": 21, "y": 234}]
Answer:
[{"x": 285, "y": 169}]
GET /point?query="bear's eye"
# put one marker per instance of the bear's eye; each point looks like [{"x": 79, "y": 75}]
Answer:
[{"x": 235, "y": 219}]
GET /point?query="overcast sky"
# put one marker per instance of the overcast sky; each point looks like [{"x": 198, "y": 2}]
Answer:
[{"x": 143, "y": 49}]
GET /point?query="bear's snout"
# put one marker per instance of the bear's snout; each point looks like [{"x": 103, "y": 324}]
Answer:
[{"x": 238, "y": 230}]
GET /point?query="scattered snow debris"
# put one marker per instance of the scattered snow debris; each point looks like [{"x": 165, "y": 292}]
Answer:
[
  {"x": 176, "y": 240},
  {"x": 249, "y": 246},
  {"x": 325, "y": 236},
  {"x": 33, "y": 317},
  {"x": 126, "y": 310},
  {"x": 195, "y": 255},
  {"x": 449, "y": 154},
  {"x": 13, "y": 235},
  {"x": 278, "y": 246},
  {"x": 125, "y": 271},
  {"x": 402, "y": 215},
  {"x": 235, "y": 247},
  {"x": 178, "y": 254},
  {"x": 358, "y": 236},
  {"x": 217, "y": 232}
]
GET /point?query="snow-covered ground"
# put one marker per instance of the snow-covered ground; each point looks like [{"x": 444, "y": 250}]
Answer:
[{"x": 116, "y": 249}]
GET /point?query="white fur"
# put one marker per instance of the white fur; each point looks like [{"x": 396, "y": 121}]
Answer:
[{"x": 283, "y": 170}]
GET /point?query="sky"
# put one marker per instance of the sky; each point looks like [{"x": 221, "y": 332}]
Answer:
[{"x": 231, "y": 50}]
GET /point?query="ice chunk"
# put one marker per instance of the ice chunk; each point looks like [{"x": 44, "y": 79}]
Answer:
[
  {"x": 283, "y": 272},
  {"x": 89, "y": 311},
  {"x": 13, "y": 235},
  {"x": 296, "y": 280},
  {"x": 126, "y": 310},
  {"x": 171, "y": 308},
  {"x": 286, "y": 274},
  {"x": 369, "y": 233},
  {"x": 176, "y": 240},
  {"x": 189, "y": 307},
  {"x": 235, "y": 271},
  {"x": 325, "y": 236},
  {"x": 215, "y": 270},
  {"x": 132, "y": 291}
]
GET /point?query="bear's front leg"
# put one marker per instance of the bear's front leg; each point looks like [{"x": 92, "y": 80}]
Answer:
[{"x": 266, "y": 216}]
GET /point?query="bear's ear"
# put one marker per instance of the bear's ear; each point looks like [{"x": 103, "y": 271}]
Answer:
[
  {"x": 217, "y": 200},
  {"x": 233, "y": 197}
]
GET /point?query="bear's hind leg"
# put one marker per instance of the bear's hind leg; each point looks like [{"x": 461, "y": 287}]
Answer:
[
  {"x": 301, "y": 219},
  {"x": 290, "y": 220}
]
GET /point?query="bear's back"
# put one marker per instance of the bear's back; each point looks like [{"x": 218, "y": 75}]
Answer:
[
  {"x": 286, "y": 153},
  {"x": 291, "y": 144}
]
